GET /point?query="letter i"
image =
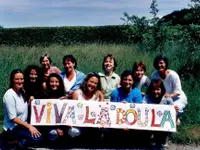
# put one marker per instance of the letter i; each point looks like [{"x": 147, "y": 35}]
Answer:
[{"x": 48, "y": 120}]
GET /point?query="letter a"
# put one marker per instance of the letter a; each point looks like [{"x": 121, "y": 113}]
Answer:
[{"x": 167, "y": 117}]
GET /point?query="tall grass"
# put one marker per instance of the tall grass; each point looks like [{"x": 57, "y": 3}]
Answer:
[{"x": 90, "y": 57}]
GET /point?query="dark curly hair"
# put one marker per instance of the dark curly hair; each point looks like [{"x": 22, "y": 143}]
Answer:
[{"x": 61, "y": 89}]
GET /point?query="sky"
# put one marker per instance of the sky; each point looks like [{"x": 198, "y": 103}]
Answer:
[{"x": 29, "y": 13}]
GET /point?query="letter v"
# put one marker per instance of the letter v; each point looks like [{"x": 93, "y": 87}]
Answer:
[{"x": 38, "y": 118}]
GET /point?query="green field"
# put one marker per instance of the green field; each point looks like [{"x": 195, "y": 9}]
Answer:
[{"x": 90, "y": 58}]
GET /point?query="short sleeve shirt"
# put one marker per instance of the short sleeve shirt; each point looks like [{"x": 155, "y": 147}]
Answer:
[
  {"x": 134, "y": 96},
  {"x": 109, "y": 83},
  {"x": 14, "y": 107}
]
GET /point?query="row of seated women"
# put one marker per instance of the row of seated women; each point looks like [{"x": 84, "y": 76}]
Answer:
[{"x": 49, "y": 82}]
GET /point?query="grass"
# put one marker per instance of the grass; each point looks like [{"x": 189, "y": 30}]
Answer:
[{"x": 90, "y": 57}]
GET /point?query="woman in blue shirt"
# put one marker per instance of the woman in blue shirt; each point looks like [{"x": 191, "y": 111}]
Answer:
[{"x": 126, "y": 93}]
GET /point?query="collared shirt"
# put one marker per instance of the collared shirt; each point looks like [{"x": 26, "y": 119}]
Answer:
[
  {"x": 109, "y": 83},
  {"x": 80, "y": 76},
  {"x": 14, "y": 107}
]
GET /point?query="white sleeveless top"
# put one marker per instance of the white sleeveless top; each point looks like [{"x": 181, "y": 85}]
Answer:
[{"x": 82, "y": 97}]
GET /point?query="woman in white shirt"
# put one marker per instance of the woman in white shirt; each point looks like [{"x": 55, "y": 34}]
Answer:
[
  {"x": 171, "y": 82},
  {"x": 16, "y": 112}
]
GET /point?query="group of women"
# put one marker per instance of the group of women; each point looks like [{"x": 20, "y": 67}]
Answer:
[{"x": 48, "y": 82}]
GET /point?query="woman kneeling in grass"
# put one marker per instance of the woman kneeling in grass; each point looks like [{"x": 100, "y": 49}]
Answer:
[
  {"x": 155, "y": 95},
  {"x": 127, "y": 94},
  {"x": 54, "y": 90},
  {"x": 90, "y": 90},
  {"x": 171, "y": 82},
  {"x": 16, "y": 112}
]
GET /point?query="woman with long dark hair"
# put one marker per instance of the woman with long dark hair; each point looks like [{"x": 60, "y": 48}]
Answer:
[
  {"x": 32, "y": 81},
  {"x": 90, "y": 89},
  {"x": 54, "y": 90}
]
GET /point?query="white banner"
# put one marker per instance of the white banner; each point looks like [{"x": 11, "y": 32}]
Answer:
[{"x": 103, "y": 114}]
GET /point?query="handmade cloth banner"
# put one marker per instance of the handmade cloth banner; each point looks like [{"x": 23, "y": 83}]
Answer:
[{"x": 103, "y": 114}]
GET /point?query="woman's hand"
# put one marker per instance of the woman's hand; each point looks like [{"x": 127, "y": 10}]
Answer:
[
  {"x": 34, "y": 132},
  {"x": 176, "y": 108},
  {"x": 31, "y": 99},
  {"x": 63, "y": 97},
  {"x": 60, "y": 132},
  {"x": 167, "y": 95},
  {"x": 124, "y": 101},
  {"x": 126, "y": 129}
]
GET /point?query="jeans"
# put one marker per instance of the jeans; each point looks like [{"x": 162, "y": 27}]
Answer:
[{"x": 23, "y": 135}]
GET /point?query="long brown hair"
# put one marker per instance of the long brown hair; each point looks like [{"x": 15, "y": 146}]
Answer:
[{"x": 84, "y": 87}]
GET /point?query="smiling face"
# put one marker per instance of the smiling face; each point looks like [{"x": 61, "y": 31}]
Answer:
[
  {"x": 127, "y": 82},
  {"x": 46, "y": 63},
  {"x": 109, "y": 64},
  {"x": 54, "y": 83},
  {"x": 156, "y": 92},
  {"x": 92, "y": 84},
  {"x": 139, "y": 73},
  {"x": 69, "y": 66},
  {"x": 18, "y": 81},
  {"x": 33, "y": 76},
  {"x": 161, "y": 66}
]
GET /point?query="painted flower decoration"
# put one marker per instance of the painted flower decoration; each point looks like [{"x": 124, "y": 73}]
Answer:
[
  {"x": 93, "y": 114},
  {"x": 79, "y": 105},
  {"x": 80, "y": 117},
  {"x": 112, "y": 107},
  {"x": 132, "y": 105},
  {"x": 37, "y": 102},
  {"x": 159, "y": 113}
]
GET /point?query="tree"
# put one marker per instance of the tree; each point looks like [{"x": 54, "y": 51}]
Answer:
[{"x": 154, "y": 11}]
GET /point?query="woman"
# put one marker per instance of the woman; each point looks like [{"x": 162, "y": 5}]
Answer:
[
  {"x": 45, "y": 62},
  {"x": 141, "y": 81},
  {"x": 16, "y": 112},
  {"x": 54, "y": 90},
  {"x": 32, "y": 82},
  {"x": 155, "y": 95},
  {"x": 126, "y": 93},
  {"x": 109, "y": 79},
  {"x": 72, "y": 78},
  {"x": 54, "y": 87},
  {"x": 90, "y": 90},
  {"x": 171, "y": 82}
]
